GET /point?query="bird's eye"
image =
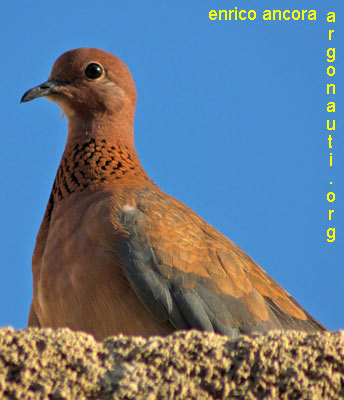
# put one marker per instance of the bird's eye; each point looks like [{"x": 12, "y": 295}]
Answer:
[{"x": 93, "y": 71}]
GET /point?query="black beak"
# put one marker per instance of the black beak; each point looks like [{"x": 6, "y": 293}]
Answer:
[{"x": 45, "y": 89}]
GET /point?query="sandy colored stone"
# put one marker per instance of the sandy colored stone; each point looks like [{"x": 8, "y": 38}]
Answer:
[{"x": 62, "y": 364}]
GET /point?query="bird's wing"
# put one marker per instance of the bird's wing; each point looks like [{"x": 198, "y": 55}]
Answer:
[{"x": 186, "y": 272}]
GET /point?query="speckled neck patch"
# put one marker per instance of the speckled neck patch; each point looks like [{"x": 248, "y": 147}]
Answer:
[{"x": 92, "y": 163}]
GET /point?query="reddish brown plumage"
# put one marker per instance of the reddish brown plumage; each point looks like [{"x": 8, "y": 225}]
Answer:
[{"x": 115, "y": 254}]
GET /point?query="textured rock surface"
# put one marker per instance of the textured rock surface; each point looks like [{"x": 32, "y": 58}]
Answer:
[{"x": 62, "y": 364}]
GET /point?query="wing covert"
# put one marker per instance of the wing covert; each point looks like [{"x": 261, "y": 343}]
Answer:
[{"x": 186, "y": 272}]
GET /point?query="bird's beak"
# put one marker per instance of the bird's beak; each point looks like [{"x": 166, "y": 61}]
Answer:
[{"x": 45, "y": 89}]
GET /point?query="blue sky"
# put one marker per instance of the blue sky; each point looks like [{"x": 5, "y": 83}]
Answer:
[{"x": 231, "y": 120}]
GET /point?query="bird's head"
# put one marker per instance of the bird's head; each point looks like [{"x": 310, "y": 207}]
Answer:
[
  {"x": 96, "y": 92},
  {"x": 87, "y": 82}
]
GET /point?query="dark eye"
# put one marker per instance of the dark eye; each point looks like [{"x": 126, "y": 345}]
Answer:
[{"x": 93, "y": 71}]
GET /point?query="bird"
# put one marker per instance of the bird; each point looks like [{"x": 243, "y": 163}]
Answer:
[{"x": 115, "y": 254}]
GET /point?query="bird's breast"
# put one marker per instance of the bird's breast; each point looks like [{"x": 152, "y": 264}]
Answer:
[{"x": 81, "y": 283}]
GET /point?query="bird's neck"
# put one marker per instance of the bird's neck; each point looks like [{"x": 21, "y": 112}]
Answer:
[
  {"x": 93, "y": 159},
  {"x": 111, "y": 127}
]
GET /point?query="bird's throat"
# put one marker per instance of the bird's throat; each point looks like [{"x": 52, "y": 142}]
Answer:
[{"x": 93, "y": 163}]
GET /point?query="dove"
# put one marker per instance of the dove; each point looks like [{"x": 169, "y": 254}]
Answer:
[{"x": 116, "y": 255}]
